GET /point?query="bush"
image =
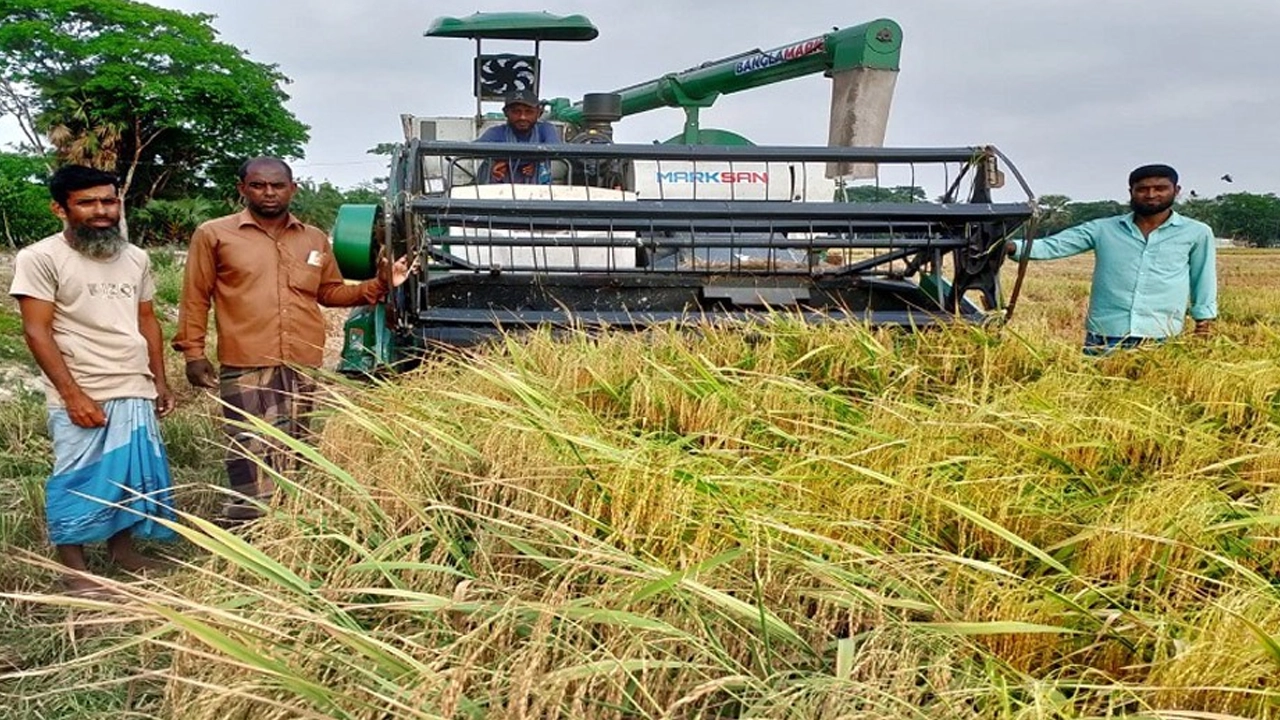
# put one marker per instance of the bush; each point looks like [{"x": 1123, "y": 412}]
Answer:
[
  {"x": 24, "y": 200},
  {"x": 169, "y": 222}
]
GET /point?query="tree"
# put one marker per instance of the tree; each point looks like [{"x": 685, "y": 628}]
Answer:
[
  {"x": 1055, "y": 213},
  {"x": 366, "y": 193},
  {"x": 1059, "y": 212},
  {"x": 24, "y": 199},
  {"x": 1249, "y": 217},
  {"x": 16, "y": 102},
  {"x": 1203, "y": 209},
  {"x": 317, "y": 204},
  {"x": 385, "y": 149},
  {"x": 876, "y": 194},
  {"x": 1095, "y": 210},
  {"x": 167, "y": 222},
  {"x": 148, "y": 92}
]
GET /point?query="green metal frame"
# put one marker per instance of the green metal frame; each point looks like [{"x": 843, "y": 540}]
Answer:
[
  {"x": 709, "y": 136},
  {"x": 533, "y": 26},
  {"x": 367, "y": 341}
]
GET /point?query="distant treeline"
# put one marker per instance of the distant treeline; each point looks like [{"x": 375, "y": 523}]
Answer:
[
  {"x": 1244, "y": 217},
  {"x": 1247, "y": 218}
]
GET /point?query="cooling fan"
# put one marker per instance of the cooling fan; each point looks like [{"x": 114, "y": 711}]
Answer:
[{"x": 497, "y": 75}]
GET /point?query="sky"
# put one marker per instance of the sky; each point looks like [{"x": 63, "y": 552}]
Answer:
[{"x": 1075, "y": 92}]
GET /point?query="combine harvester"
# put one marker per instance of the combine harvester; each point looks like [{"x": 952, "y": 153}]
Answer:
[{"x": 705, "y": 227}]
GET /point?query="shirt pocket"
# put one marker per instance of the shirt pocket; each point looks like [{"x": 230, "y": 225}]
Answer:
[
  {"x": 1173, "y": 258},
  {"x": 303, "y": 276}
]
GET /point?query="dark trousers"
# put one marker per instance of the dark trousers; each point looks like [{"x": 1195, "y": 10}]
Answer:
[{"x": 281, "y": 398}]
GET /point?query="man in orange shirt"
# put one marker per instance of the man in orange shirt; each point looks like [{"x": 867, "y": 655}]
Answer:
[{"x": 265, "y": 274}]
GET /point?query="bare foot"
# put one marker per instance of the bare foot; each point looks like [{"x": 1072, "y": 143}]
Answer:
[
  {"x": 133, "y": 562},
  {"x": 87, "y": 587}
]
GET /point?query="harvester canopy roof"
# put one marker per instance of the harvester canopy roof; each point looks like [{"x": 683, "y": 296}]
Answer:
[{"x": 515, "y": 26}]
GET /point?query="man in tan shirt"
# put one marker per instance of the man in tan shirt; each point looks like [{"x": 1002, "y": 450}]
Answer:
[
  {"x": 87, "y": 315},
  {"x": 265, "y": 274}
]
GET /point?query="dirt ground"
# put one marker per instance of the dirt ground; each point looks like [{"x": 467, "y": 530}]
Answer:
[{"x": 333, "y": 320}]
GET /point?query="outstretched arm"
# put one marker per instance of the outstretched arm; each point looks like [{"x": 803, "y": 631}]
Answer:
[{"x": 1072, "y": 241}]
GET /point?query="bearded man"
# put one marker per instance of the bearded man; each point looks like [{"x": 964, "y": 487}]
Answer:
[
  {"x": 88, "y": 318},
  {"x": 1152, "y": 266},
  {"x": 522, "y": 110}
]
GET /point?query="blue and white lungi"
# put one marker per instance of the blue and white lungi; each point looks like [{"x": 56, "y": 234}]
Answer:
[{"x": 108, "y": 479}]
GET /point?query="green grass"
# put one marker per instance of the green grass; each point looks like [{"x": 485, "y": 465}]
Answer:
[
  {"x": 13, "y": 348},
  {"x": 24, "y": 464},
  {"x": 801, "y": 522},
  {"x": 167, "y": 272}
]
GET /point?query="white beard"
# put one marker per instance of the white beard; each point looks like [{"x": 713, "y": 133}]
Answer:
[{"x": 96, "y": 243}]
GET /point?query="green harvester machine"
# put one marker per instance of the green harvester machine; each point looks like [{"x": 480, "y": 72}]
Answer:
[{"x": 704, "y": 227}]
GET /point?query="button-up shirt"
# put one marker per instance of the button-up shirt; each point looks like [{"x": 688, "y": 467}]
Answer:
[
  {"x": 1142, "y": 286},
  {"x": 526, "y": 172},
  {"x": 265, "y": 292}
]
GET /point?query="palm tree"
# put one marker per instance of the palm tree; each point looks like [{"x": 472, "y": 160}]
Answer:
[{"x": 92, "y": 145}]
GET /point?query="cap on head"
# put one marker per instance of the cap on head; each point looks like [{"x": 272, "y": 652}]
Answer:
[
  {"x": 1153, "y": 171},
  {"x": 521, "y": 97}
]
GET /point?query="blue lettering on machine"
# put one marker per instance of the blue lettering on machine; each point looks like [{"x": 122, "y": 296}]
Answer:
[{"x": 763, "y": 60}]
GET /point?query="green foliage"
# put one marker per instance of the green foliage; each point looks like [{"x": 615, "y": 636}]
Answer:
[
  {"x": 166, "y": 222},
  {"x": 167, "y": 272},
  {"x": 1249, "y": 217},
  {"x": 1060, "y": 213},
  {"x": 12, "y": 345},
  {"x": 1054, "y": 211},
  {"x": 151, "y": 87},
  {"x": 877, "y": 194},
  {"x": 24, "y": 462},
  {"x": 318, "y": 204},
  {"x": 385, "y": 148},
  {"x": 365, "y": 194},
  {"x": 1203, "y": 209},
  {"x": 24, "y": 199}
]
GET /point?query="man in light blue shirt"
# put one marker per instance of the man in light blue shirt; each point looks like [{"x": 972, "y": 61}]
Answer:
[
  {"x": 1151, "y": 266},
  {"x": 522, "y": 110}
]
